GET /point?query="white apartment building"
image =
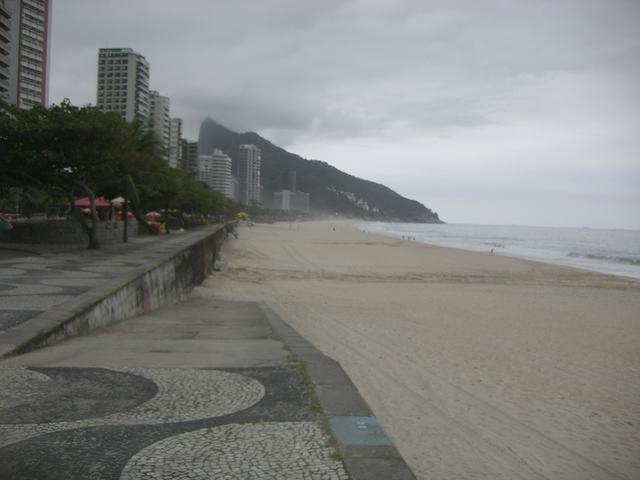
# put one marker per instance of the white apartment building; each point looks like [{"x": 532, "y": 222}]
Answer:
[
  {"x": 123, "y": 83},
  {"x": 235, "y": 189},
  {"x": 205, "y": 167},
  {"x": 215, "y": 171},
  {"x": 289, "y": 200},
  {"x": 25, "y": 28},
  {"x": 160, "y": 120},
  {"x": 175, "y": 143},
  {"x": 249, "y": 162}
]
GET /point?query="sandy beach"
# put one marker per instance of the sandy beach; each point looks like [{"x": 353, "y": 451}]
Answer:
[{"x": 478, "y": 366}]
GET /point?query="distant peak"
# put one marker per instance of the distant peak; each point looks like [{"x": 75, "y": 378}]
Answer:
[
  {"x": 215, "y": 135},
  {"x": 210, "y": 122}
]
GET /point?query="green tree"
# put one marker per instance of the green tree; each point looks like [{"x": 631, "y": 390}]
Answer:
[{"x": 65, "y": 150}]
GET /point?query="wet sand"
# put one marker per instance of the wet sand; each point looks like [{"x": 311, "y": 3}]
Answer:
[{"x": 478, "y": 366}]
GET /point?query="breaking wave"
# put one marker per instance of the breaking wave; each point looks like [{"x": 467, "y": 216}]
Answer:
[{"x": 606, "y": 258}]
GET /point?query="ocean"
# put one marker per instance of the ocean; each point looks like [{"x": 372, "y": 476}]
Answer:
[{"x": 615, "y": 252}]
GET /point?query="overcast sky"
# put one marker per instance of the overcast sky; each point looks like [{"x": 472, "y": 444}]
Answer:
[{"x": 488, "y": 111}]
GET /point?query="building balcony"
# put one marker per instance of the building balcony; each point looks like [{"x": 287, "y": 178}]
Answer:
[
  {"x": 32, "y": 56},
  {"x": 33, "y": 39},
  {"x": 33, "y": 13},
  {"x": 30, "y": 75},
  {"x": 36, "y": 5},
  {"x": 32, "y": 34},
  {"x": 32, "y": 44},
  {"x": 35, "y": 25},
  {"x": 31, "y": 64},
  {"x": 30, "y": 99}
]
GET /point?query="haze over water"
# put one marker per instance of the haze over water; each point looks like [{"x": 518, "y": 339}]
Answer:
[{"x": 615, "y": 252}]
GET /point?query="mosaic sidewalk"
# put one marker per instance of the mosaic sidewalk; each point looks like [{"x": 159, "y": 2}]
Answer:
[
  {"x": 112, "y": 404},
  {"x": 161, "y": 424},
  {"x": 31, "y": 284}
]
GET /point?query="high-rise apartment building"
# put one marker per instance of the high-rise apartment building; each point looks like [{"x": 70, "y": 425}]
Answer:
[
  {"x": 190, "y": 156},
  {"x": 5, "y": 50},
  {"x": 249, "y": 161},
  {"x": 24, "y": 52},
  {"x": 160, "y": 120},
  {"x": 175, "y": 143},
  {"x": 123, "y": 83},
  {"x": 291, "y": 200},
  {"x": 235, "y": 188},
  {"x": 215, "y": 171},
  {"x": 205, "y": 167}
]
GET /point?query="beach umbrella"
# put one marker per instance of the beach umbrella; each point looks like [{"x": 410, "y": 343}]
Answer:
[
  {"x": 154, "y": 214},
  {"x": 99, "y": 202}
]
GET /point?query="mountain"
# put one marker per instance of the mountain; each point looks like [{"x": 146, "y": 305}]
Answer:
[{"x": 331, "y": 190}]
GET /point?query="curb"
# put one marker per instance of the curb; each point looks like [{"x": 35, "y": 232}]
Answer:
[
  {"x": 167, "y": 279},
  {"x": 367, "y": 452}
]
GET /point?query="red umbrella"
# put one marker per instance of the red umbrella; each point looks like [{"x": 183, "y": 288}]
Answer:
[{"x": 84, "y": 202}]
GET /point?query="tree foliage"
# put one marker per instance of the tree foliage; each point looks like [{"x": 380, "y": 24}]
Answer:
[{"x": 69, "y": 152}]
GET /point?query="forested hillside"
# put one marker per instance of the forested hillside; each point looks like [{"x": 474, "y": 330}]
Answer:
[{"x": 332, "y": 191}]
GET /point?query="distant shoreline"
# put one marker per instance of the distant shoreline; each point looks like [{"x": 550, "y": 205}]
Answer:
[{"x": 627, "y": 268}]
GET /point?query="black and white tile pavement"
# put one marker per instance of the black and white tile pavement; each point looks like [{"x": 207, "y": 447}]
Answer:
[
  {"x": 77, "y": 423},
  {"x": 32, "y": 283}
]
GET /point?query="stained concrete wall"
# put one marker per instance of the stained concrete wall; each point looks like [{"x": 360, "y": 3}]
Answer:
[{"x": 169, "y": 279}]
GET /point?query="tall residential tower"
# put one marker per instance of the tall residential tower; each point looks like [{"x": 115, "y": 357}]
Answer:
[
  {"x": 24, "y": 52},
  {"x": 189, "y": 156},
  {"x": 160, "y": 120},
  {"x": 123, "y": 83},
  {"x": 215, "y": 171},
  {"x": 249, "y": 174},
  {"x": 175, "y": 143},
  {"x": 5, "y": 50}
]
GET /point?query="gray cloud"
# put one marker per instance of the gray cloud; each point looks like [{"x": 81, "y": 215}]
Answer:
[{"x": 462, "y": 89}]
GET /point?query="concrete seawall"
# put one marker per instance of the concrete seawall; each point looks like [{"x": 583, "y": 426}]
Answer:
[
  {"x": 169, "y": 278},
  {"x": 65, "y": 232}
]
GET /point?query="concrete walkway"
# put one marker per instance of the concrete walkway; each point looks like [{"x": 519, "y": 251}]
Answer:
[
  {"x": 50, "y": 296},
  {"x": 34, "y": 278},
  {"x": 205, "y": 389},
  {"x": 202, "y": 389}
]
